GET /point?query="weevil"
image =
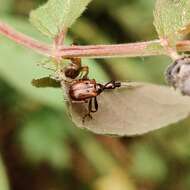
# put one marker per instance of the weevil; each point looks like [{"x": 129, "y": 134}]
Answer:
[
  {"x": 75, "y": 69},
  {"x": 86, "y": 91},
  {"x": 80, "y": 88}
]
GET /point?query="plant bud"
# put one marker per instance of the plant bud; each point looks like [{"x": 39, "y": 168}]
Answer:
[{"x": 178, "y": 75}]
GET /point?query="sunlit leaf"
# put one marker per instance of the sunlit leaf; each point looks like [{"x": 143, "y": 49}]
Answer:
[
  {"x": 6, "y": 6},
  {"x": 52, "y": 17},
  {"x": 148, "y": 164},
  {"x": 115, "y": 179},
  {"x": 43, "y": 138},
  {"x": 3, "y": 177},
  {"x": 21, "y": 68},
  {"x": 133, "y": 111},
  {"x": 171, "y": 16}
]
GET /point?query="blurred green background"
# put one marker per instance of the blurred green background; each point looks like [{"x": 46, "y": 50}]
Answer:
[{"x": 42, "y": 150}]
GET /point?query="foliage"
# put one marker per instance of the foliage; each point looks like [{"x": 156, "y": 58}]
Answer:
[
  {"x": 3, "y": 177},
  {"x": 56, "y": 15},
  {"x": 134, "y": 117},
  {"x": 33, "y": 122}
]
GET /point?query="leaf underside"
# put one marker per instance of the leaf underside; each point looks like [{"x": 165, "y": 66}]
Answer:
[{"x": 126, "y": 112}]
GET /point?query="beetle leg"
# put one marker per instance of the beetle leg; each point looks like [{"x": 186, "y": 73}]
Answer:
[
  {"x": 90, "y": 106},
  {"x": 95, "y": 106},
  {"x": 84, "y": 72},
  {"x": 89, "y": 111}
]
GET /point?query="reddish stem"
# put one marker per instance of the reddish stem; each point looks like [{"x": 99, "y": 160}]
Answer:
[
  {"x": 115, "y": 50},
  {"x": 59, "y": 39},
  {"x": 24, "y": 40},
  {"x": 140, "y": 49}
]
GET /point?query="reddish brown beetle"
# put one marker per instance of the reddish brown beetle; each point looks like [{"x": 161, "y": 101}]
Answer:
[
  {"x": 75, "y": 68},
  {"x": 81, "y": 90},
  {"x": 85, "y": 89}
]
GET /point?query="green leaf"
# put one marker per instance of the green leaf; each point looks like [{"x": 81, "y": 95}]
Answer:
[
  {"x": 6, "y": 6},
  {"x": 133, "y": 111},
  {"x": 170, "y": 16},
  {"x": 3, "y": 177},
  {"x": 56, "y": 15},
  {"x": 20, "y": 69},
  {"x": 148, "y": 164},
  {"x": 116, "y": 178},
  {"x": 43, "y": 138}
]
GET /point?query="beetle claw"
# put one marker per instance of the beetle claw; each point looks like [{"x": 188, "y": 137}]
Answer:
[{"x": 85, "y": 116}]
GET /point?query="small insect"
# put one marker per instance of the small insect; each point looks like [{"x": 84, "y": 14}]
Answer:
[
  {"x": 45, "y": 82},
  {"x": 178, "y": 75},
  {"x": 80, "y": 89},
  {"x": 75, "y": 68},
  {"x": 86, "y": 90}
]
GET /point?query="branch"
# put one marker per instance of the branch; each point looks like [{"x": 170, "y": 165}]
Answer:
[
  {"x": 139, "y": 49},
  {"x": 24, "y": 40}
]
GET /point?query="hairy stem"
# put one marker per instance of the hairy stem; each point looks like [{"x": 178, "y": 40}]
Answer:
[
  {"x": 24, "y": 40},
  {"x": 171, "y": 51},
  {"x": 58, "y": 41},
  {"x": 116, "y": 50},
  {"x": 138, "y": 49}
]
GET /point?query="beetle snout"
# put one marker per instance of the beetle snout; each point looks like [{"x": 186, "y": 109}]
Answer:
[{"x": 112, "y": 85}]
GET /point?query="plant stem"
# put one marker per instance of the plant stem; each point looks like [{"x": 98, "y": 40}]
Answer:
[
  {"x": 58, "y": 41},
  {"x": 116, "y": 50},
  {"x": 24, "y": 40},
  {"x": 171, "y": 51},
  {"x": 138, "y": 49}
]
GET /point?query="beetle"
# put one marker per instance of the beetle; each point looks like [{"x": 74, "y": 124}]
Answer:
[
  {"x": 87, "y": 90},
  {"x": 81, "y": 89},
  {"x": 75, "y": 68}
]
